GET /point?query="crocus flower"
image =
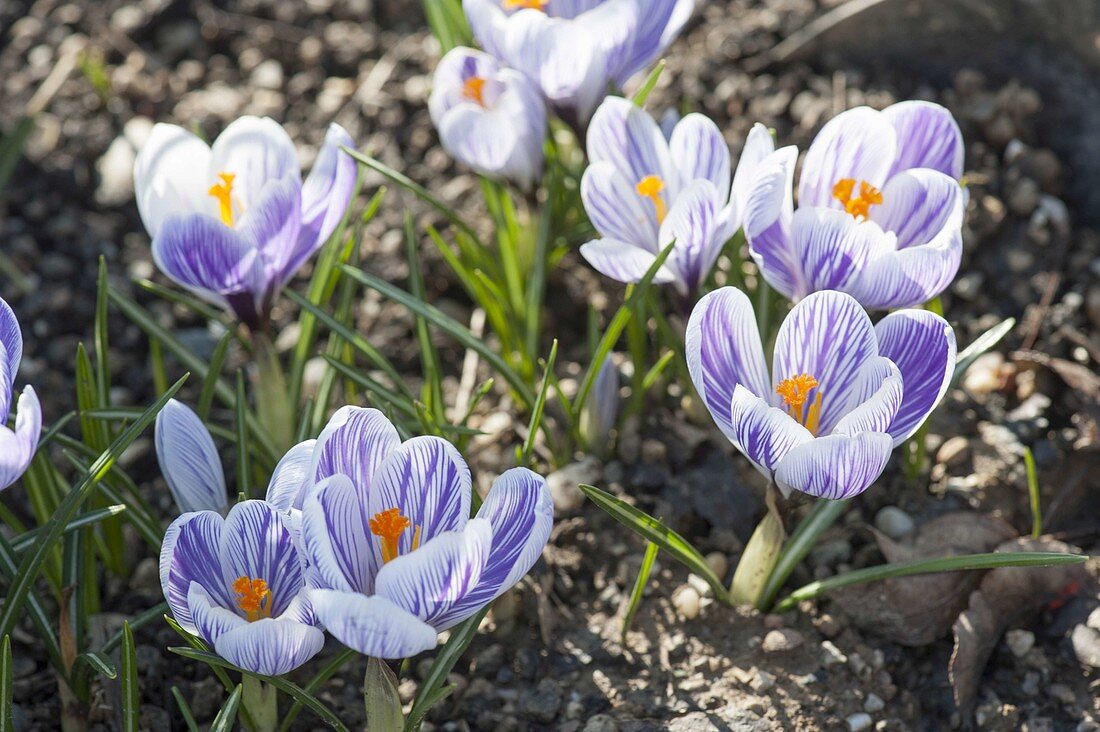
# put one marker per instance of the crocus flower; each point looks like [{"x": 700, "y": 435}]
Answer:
[
  {"x": 389, "y": 541},
  {"x": 488, "y": 117},
  {"x": 233, "y": 222},
  {"x": 189, "y": 460},
  {"x": 572, "y": 49},
  {"x": 842, "y": 392},
  {"x": 602, "y": 408},
  {"x": 238, "y": 584},
  {"x": 642, "y": 192},
  {"x": 880, "y": 208},
  {"x": 17, "y": 446}
]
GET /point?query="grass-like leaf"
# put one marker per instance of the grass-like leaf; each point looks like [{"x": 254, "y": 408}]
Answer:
[
  {"x": 131, "y": 695},
  {"x": 823, "y": 515},
  {"x": 981, "y": 344},
  {"x": 314, "y": 684},
  {"x": 6, "y": 683},
  {"x": 651, "y": 550},
  {"x": 228, "y": 714},
  {"x": 540, "y": 406},
  {"x": 647, "y": 86},
  {"x": 185, "y": 710},
  {"x": 655, "y": 531},
  {"x": 448, "y": 23},
  {"x": 432, "y": 691},
  {"x": 990, "y": 560},
  {"x": 1033, "y": 495}
]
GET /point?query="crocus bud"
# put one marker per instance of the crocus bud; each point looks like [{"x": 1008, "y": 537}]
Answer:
[{"x": 602, "y": 408}]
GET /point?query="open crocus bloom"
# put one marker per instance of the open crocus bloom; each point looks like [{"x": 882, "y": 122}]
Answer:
[
  {"x": 388, "y": 538},
  {"x": 572, "y": 49},
  {"x": 17, "y": 447},
  {"x": 233, "y": 222},
  {"x": 880, "y": 208},
  {"x": 842, "y": 393},
  {"x": 489, "y": 117},
  {"x": 642, "y": 192},
  {"x": 238, "y": 584},
  {"x": 189, "y": 460}
]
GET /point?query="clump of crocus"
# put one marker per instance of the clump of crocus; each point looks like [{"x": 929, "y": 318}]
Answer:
[
  {"x": 17, "y": 447},
  {"x": 842, "y": 392},
  {"x": 880, "y": 208},
  {"x": 234, "y": 221},
  {"x": 573, "y": 50},
  {"x": 488, "y": 117},
  {"x": 642, "y": 192},
  {"x": 392, "y": 552},
  {"x": 238, "y": 584}
]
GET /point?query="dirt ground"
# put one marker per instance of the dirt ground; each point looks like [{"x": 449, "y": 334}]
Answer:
[{"x": 551, "y": 656}]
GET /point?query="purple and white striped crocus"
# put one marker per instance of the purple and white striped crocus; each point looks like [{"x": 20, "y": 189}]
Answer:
[
  {"x": 392, "y": 552},
  {"x": 573, "y": 49},
  {"x": 189, "y": 460},
  {"x": 234, "y": 221},
  {"x": 17, "y": 447},
  {"x": 880, "y": 208},
  {"x": 842, "y": 393},
  {"x": 642, "y": 192},
  {"x": 489, "y": 118},
  {"x": 238, "y": 583}
]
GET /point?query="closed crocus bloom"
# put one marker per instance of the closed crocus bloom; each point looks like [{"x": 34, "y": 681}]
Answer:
[
  {"x": 238, "y": 584},
  {"x": 189, "y": 460},
  {"x": 880, "y": 208},
  {"x": 572, "y": 49},
  {"x": 391, "y": 549},
  {"x": 642, "y": 192},
  {"x": 488, "y": 117},
  {"x": 842, "y": 393},
  {"x": 234, "y": 221},
  {"x": 17, "y": 447}
]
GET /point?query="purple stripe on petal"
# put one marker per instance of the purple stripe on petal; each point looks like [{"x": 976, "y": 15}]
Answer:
[
  {"x": 627, "y": 137},
  {"x": 615, "y": 208},
  {"x": 374, "y": 626},
  {"x": 255, "y": 543},
  {"x": 912, "y": 276},
  {"x": 429, "y": 482},
  {"x": 429, "y": 581},
  {"x": 270, "y": 647},
  {"x": 210, "y": 620},
  {"x": 700, "y": 152},
  {"x": 189, "y": 460},
  {"x": 828, "y": 336},
  {"x": 859, "y": 144},
  {"x": 325, "y": 195},
  {"x": 928, "y": 137},
  {"x": 922, "y": 344},
  {"x": 836, "y": 466},
  {"x": 765, "y": 434},
  {"x": 918, "y": 204},
  {"x": 272, "y": 225},
  {"x": 723, "y": 350},
  {"x": 873, "y": 402},
  {"x": 190, "y": 553},
  {"x": 11, "y": 340},
  {"x": 660, "y": 22},
  {"x": 833, "y": 248},
  {"x": 17, "y": 447},
  {"x": 700, "y": 225},
  {"x": 171, "y": 176},
  {"x": 335, "y": 537},
  {"x": 759, "y": 146},
  {"x": 766, "y": 216},
  {"x": 521, "y": 512},
  {"x": 205, "y": 256},
  {"x": 255, "y": 150},
  {"x": 354, "y": 443}
]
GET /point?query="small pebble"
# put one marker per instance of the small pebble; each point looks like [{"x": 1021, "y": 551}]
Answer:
[
  {"x": 718, "y": 564},
  {"x": 953, "y": 452},
  {"x": 873, "y": 704},
  {"x": 1020, "y": 642},
  {"x": 762, "y": 681},
  {"x": 833, "y": 655},
  {"x": 1062, "y": 693},
  {"x": 859, "y": 722},
  {"x": 894, "y": 522},
  {"x": 686, "y": 600},
  {"x": 782, "y": 639}
]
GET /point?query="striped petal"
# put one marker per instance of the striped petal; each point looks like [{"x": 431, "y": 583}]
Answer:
[
  {"x": 765, "y": 434},
  {"x": 354, "y": 443},
  {"x": 488, "y": 23},
  {"x": 255, "y": 543},
  {"x": 205, "y": 256},
  {"x": 335, "y": 537},
  {"x": 828, "y": 336},
  {"x": 833, "y": 248},
  {"x": 190, "y": 553},
  {"x": 724, "y": 350},
  {"x": 759, "y": 146},
  {"x": 836, "y": 466},
  {"x": 189, "y": 460},
  {"x": 874, "y": 401},
  {"x": 859, "y": 144},
  {"x": 922, "y": 344},
  {"x": 11, "y": 345},
  {"x": 615, "y": 208},
  {"x": 270, "y": 647},
  {"x": 521, "y": 512},
  {"x": 928, "y": 137},
  {"x": 211, "y": 620},
  {"x": 766, "y": 217},
  {"x": 700, "y": 225},
  {"x": 427, "y": 480},
  {"x": 918, "y": 204},
  {"x": 255, "y": 150},
  {"x": 289, "y": 480},
  {"x": 660, "y": 22},
  {"x": 700, "y": 152},
  {"x": 325, "y": 195},
  {"x": 273, "y": 225},
  {"x": 373, "y": 625},
  {"x": 624, "y": 262},
  {"x": 171, "y": 176},
  {"x": 428, "y": 582},
  {"x": 627, "y": 137},
  {"x": 17, "y": 447}
]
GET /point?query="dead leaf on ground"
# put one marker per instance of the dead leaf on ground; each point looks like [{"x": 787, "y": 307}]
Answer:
[
  {"x": 1006, "y": 597},
  {"x": 917, "y": 610}
]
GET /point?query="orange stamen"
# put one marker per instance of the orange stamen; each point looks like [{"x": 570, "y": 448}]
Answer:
[
  {"x": 473, "y": 89},
  {"x": 796, "y": 392},
  {"x": 857, "y": 205},
  {"x": 388, "y": 526},
  {"x": 254, "y": 597},
  {"x": 529, "y": 4},
  {"x": 223, "y": 192},
  {"x": 650, "y": 187}
]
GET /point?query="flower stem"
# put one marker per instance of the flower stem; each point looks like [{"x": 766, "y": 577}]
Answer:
[
  {"x": 760, "y": 555},
  {"x": 821, "y": 516},
  {"x": 262, "y": 702}
]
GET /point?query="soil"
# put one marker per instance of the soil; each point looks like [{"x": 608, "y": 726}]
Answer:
[{"x": 551, "y": 656}]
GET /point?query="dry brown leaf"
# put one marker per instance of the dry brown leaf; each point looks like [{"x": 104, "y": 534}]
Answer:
[
  {"x": 917, "y": 610},
  {"x": 1006, "y": 597}
]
